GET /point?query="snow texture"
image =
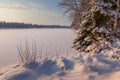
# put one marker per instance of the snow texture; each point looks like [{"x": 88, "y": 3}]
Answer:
[{"x": 81, "y": 67}]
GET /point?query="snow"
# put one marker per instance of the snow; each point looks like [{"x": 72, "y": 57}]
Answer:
[
  {"x": 80, "y": 67},
  {"x": 104, "y": 30},
  {"x": 83, "y": 66},
  {"x": 102, "y": 4}
]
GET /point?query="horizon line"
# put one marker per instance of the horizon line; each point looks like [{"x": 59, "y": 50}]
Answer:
[{"x": 34, "y": 23}]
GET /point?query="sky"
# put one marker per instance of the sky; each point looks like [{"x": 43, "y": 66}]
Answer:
[{"x": 33, "y": 11}]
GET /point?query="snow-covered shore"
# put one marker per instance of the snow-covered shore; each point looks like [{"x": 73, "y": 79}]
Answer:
[{"x": 76, "y": 68}]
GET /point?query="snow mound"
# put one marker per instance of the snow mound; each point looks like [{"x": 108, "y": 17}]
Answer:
[
  {"x": 86, "y": 67},
  {"x": 47, "y": 67},
  {"x": 65, "y": 64},
  {"x": 21, "y": 75},
  {"x": 35, "y": 70}
]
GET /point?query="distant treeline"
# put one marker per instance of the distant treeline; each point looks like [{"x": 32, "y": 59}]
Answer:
[{"x": 7, "y": 25}]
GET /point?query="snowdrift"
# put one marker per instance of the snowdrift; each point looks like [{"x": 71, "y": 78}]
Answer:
[{"x": 87, "y": 67}]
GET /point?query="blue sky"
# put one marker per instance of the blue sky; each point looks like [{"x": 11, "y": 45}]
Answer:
[{"x": 33, "y": 11}]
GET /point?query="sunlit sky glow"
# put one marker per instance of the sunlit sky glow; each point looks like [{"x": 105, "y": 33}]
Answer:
[{"x": 33, "y": 11}]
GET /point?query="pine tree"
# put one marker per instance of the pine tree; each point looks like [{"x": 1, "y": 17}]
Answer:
[
  {"x": 97, "y": 23},
  {"x": 99, "y": 26}
]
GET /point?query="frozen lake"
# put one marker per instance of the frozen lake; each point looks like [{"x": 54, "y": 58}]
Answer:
[{"x": 54, "y": 40}]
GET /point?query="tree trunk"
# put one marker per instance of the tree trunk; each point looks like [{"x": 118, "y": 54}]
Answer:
[
  {"x": 93, "y": 19},
  {"x": 116, "y": 22}
]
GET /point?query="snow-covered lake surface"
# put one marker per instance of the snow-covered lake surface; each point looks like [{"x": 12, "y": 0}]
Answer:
[{"x": 47, "y": 39}]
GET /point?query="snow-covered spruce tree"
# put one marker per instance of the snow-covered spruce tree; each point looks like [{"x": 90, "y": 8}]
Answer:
[
  {"x": 97, "y": 23},
  {"x": 100, "y": 25}
]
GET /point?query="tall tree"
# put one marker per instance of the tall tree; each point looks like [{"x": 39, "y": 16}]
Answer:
[
  {"x": 96, "y": 22},
  {"x": 75, "y": 8}
]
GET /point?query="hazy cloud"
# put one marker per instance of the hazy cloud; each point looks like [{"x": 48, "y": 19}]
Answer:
[
  {"x": 14, "y": 7},
  {"x": 19, "y": 5},
  {"x": 32, "y": 11}
]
